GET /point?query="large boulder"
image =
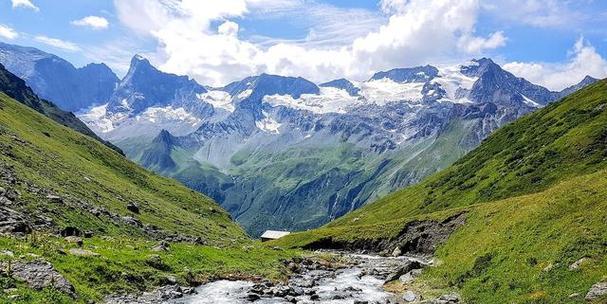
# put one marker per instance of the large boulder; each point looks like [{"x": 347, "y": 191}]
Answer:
[
  {"x": 38, "y": 275},
  {"x": 597, "y": 291},
  {"x": 12, "y": 222},
  {"x": 408, "y": 266}
]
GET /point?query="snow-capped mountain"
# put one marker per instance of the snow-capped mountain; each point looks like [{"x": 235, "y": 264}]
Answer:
[
  {"x": 292, "y": 154},
  {"x": 285, "y": 153},
  {"x": 147, "y": 101}
]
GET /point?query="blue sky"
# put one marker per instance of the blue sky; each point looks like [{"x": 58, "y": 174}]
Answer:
[{"x": 550, "y": 42}]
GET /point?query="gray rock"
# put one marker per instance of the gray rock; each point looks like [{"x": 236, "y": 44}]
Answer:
[
  {"x": 407, "y": 267},
  {"x": 409, "y": 296},
  {"x": 12, "y": 195},
  {"x": 597, "y": 291},
  {"x": 160, "y": 295},
  {"x": 410, "y": 276},
  {"x": 39, "y": 275},
  {"x": 82, "y": 252},
  {"x": 13, "y": 222},
  {"x": 577, "y": 264},
  {"x": 162, "y": 246},
  {"x": 54, "y": 199},
  {"x": 452, "y": 298},
  {"x": 131, "y": 221}
]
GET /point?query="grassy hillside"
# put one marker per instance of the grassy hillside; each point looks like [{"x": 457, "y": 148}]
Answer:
[
  {"x": 534, "y": 194},
  {"x": 52, "y": 177}
]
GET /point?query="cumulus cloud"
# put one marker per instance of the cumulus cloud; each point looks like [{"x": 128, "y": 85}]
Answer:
[
  {"x": 228, "y": 28},
  {"x": 476, "y": 45},
  {"x": 58, "y": 43},
  {"x": 583, "y": 60},
  {"x": 415, "y": 32},
  {"x": 94, "y": 22},
  {"x": 7, "y": 32},
  {"x": 25, "y": 4}
]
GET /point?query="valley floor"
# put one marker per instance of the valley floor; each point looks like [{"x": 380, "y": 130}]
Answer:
[{"x": 101, "y": 266}]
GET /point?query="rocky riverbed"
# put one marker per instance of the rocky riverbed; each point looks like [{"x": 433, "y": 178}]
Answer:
[{"x": 354, "y": 279}]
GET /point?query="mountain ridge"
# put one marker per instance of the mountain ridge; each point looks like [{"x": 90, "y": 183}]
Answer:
[
  {"x": 55, "y": 79},
  {"x": 532, "y": 195},
  {"x": 283, "y": 135}
]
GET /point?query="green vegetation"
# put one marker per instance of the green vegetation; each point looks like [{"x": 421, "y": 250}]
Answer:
[
  {"x": 123, "y": 265},
  {"x": 65, "y": 179},
  {"x": 307, "y": 184},
  {"x": 535, "y": 197},
  {"x": 53, "y": 159}
]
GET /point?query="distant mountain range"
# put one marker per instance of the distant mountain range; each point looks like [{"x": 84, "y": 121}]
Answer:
[
  {"x": 57, "y": 80},
  {"x": 16, "y": 88},
  {"x": 283, "y": 152}
]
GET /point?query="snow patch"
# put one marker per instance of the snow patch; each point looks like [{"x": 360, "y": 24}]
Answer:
[
  {"x": 451, "y": 79},
  {"x": 163, "y": 115},
  {"x": 97, "y": 119},
  {"x": 330, "y": 100},
  {"x": 530, "y": 102},
  {"x": 244, "y": 94},
  {"x": 218, "y": 99},
  {"x": 385, "y": 90},
  {"x": 268, "y": 125}
]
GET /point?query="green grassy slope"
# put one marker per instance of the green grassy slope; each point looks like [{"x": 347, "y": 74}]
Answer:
[
  {"x": 16, "y": 88},
  {"x": 41, "y": 160},
  {"x": 535, "y": 195},
  {"x": 56, "y": 160}
]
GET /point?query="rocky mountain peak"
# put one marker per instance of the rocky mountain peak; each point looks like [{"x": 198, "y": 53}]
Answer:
[
  {"x": 145, "y": 86},
  {"x": 165, "y": 137},
  {"x": 409, "y": 75},
  {"x": 343, "y": 84}
]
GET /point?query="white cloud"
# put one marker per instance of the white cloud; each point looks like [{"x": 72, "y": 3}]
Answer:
[
  {"x": 58, "y": 43},
  {"x": 7, "y": 32},
  {"x": 417, "y": 32},
  {"x": 583, "y": 60},
  {"x": 228, "y": 28},
  {"x": 24, "y": 4},
  {"x": 94, "y": 22},
  {"x": 476, "y": 45}
]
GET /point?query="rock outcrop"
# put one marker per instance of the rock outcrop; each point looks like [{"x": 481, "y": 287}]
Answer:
[{"x": 38, "y": 275}]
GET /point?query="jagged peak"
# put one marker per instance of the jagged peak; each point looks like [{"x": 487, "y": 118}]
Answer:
[
  {"x": 589, "y": 79},
  {"x": 343, "y": 84},
  {"x": 165, "y": 137},
  {"x": 139, "y": 60},
  {"x": 483, "y": 60}
]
